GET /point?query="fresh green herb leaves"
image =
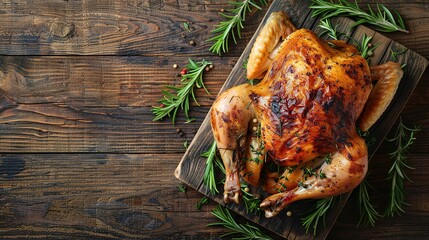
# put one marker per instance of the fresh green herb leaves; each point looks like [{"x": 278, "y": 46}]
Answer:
[
  {"x": 404, "y": 137},
  {"x": 189, "y": 120},
  {"x": 245, "y": 61},
  {"x": 394, "y": 54},
  {"x": 186, "y": 26},
  {"x": 322, "y": 207},
  {"x": 251, "y": 202},
  {"x": 244, "y": 66},
  {"x": 367, "y": 212},
  {"x": 233, "y": 24},
  {"x": 171, "y": 102},
  {"x": 204, "y": 200},
  {"x": 182, "y": 188},
  {"x": 328, "y": 159},
  {"x": 365, "y": 47},
  {"x": 382, "y": 18},
  {"x": 329, "y": 30},
  {"x": 209, "y": 178},
  {"x": 240, "y": 231}
]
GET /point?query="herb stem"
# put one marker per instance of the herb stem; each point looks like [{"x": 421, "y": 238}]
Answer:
[
  {"x": 209, "y": 178},
  {"x": 204, "y": 200},
  {"x": 368, "y": 213},
  {"x": 244, "y": 231},
  {"x": 232, "y": 26},
  {"x": 171, "y": 103},
  {"x": 403, "y": 139},
  {"x": 322, "y": 207},
  {"x": 382, "y": 18}
]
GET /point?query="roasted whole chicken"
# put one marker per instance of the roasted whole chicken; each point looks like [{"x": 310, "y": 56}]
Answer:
[{"x": 301, "y": 118}]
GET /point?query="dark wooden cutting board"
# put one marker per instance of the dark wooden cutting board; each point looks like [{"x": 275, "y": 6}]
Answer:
[{"x": 191, "y": 167}]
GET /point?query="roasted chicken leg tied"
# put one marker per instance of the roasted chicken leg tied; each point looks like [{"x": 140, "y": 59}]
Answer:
[
  {"x": 345, "y": 171},
  {"x": 230, "y": 117}
]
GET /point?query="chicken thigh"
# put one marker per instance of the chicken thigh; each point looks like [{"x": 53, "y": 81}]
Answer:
[{"x": 304, "y": 109}]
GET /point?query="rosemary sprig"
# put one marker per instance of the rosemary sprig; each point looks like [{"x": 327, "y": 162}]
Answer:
[
  {"x": 329, "y": 30},
  {"x": 394, "y": 54},
  {"x": 245, "y": 61},
  {"x": 382, "y": 18},
  {"x": 403, "y": 139},
  {"x": 204, "y": 200},
  {"x": 322, "y": 207},
  {"x": 368, "y": 213},
  {"x": 241, "y": 231},
  {"x": 365, "y": 48},
  {"x": 171, "y": 103},
  {"x": 186, "y": 26},
  {"x": 251, "y": 202},
  {"x": 209, "y": 178},
  {"x": 189, "y": 120},
  {"x": 182, "y": 188},
  {"x": 233, "y": 24},
  {"x": 219, "y": 164}
]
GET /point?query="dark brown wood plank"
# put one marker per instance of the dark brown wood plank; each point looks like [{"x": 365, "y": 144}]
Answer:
[
  {"x": 414, "y": 115},
  {"x": 379, "y": 52},
  {"x": 130, "y": 81},
  {"x": 421, "y": 91},
  {"x": 189, "y": 165},
  {"x": 111, "y": 27},
  {"x": 128, "y": 196},
  {"x": 70, "y": 104},
  {"x": 139, "y": 28},
  {"x": 98, "y": 196},
  {"x": 54, "y": 128}
]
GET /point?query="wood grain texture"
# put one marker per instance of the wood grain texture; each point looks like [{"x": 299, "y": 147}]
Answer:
[
  {"x": 111, "y": 81},
  {"x": 127, "y": 196},
  {"x": 79, "y": 154},
  {"x": 109, "y": 27},
  {"x": 98, "y": 196}
]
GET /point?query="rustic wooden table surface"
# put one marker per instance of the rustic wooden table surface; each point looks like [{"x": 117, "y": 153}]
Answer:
[{"x": 80, "y": 155}]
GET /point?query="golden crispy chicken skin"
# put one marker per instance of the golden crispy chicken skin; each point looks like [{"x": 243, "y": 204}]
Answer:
[
  {"x": 310, "y": 98},
  {"x": 277, "y": 28},
  {"x": 303, "y": 111},
  {"x": 388, "y": 77}
]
